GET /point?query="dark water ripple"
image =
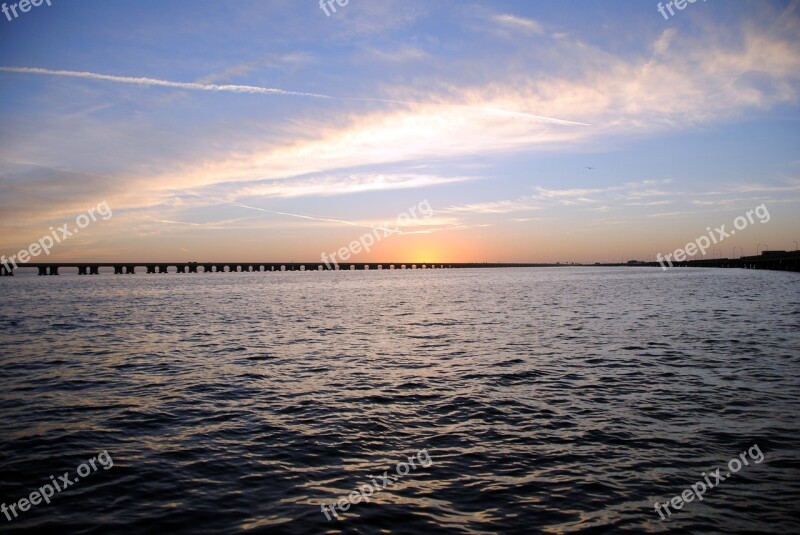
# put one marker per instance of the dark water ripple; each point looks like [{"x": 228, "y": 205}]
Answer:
[{"x": 550, "y": 401}]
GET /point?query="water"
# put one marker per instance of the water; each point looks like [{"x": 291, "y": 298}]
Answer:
[{"x": 549, "y": 400}]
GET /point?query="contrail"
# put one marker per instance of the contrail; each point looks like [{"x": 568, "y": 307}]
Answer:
[
  {"x": 318, "y": 218},
  {"x": 387, "y": 230},
  {"x": 163, "y": 83},
  {"x": 154, "y": 82}
]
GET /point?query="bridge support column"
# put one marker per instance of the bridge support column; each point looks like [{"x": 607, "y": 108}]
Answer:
[
  {"x": 94, "y": 270},
  {"x": 163, "y": 269},
  {"x": 130, "y": 270},
  {"x": 117, "y": 270},
  {"x": 180, "y": 269},
  {"x": 192, "y": 268},
  {"x": 151, "y": 269},
  {"x": 81, "y": 270},
  {"x": 42, "y": 270},
  {"x": 6, "y": 271},
  {"x": 54, "y": 270}
]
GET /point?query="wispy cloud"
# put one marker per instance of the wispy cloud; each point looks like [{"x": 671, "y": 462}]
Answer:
[
  {"x": 343, "y": 185},
  {"x": 519, "y": 22},
  {"x": 754, "y": 187},
  {"x": 209, "y": 225},
  {"x": 545, "y": 198},
  {"x": 406, "y": 53},
  {"x": 270, "y": 61},
  {"x": 523, "y": 204}
]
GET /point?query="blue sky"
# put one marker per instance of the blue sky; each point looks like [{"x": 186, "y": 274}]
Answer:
[{"x": 184, "y": 116}]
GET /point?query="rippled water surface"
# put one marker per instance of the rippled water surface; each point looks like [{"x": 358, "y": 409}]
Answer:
[{"x": 549, "y": 400}]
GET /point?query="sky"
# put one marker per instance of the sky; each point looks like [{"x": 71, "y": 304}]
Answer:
[{"x": 275, "y": 130}]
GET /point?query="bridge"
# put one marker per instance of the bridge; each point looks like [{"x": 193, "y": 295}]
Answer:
[
  {"x": 771, "y": 260},
  {"x": 130, "y": 268}
]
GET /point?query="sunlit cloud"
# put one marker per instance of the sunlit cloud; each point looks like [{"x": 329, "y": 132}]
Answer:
[{"x": 335, "y": 185}]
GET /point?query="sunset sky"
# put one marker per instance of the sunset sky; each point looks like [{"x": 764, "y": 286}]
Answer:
[{"x": 265, "y": 130}]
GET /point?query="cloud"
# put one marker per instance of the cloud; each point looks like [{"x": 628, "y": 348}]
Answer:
[
  {"x": 519, "y": 23},
  {"x": 662, "y": 44},
  {"x": 548, "y": 198},
  {"x": 209, "y": 225},
  {"x": 753, "y": 187},
  {"x": 523, "y": 204},
  {"x": 271, "y": 61},
  {"x": 325, "y": 186},
  {"x": 570, "y": 193},
  {"x": 402, "y": 54}
]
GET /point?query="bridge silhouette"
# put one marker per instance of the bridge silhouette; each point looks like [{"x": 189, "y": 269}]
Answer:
[
  {"x": 772, "y": 260},
  {"x": 128, "y": 268}
]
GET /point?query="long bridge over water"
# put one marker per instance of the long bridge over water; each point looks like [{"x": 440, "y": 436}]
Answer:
[
  {"x": 772, "y": 260},
  {"x": 129, "y": 268}
]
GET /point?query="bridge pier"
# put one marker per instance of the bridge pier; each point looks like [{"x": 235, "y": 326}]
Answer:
[
  {"x": 94, "y": 270},
  {"x": 6, "y": 272},
  {"x": 151, "y": 268},
  {"x": 163, "y": 269},
  {"x": 180, "y": 268},
  {"x": 82, "y": 270},
  {"x": 130, "y": 270},
  {"x": 192, "y": 268},
  {"x": 45, "y": 270}
]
